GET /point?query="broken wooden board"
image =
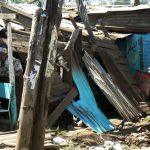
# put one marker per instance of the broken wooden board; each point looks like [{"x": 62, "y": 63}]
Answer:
[
  {"x": 62, "y": 106},
  {"x": 123, "y": 105}
]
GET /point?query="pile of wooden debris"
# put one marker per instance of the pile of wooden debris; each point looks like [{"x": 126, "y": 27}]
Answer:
[{"x": 69, "y": 62}]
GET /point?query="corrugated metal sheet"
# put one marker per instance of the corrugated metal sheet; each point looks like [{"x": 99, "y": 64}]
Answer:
[{"x": 86, "y": 108}]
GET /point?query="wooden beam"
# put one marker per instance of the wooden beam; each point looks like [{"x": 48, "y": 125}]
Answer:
[
  {"x": 62, "y": 106},
  {"x": 7, "y": 16}
]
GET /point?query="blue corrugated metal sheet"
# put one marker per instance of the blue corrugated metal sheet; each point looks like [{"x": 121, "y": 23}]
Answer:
[{"x": 86, "y": 108}]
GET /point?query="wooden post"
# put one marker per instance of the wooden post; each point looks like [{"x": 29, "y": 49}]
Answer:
[
  {"x": 84, "y": 17},
  {"x": 41, "y": 121},
  {"x": 31, "y": 78},
  {"x": 54, "y": 17},
  {"x": 13, "y": 106},
  {"x": 10, "y": 55}
]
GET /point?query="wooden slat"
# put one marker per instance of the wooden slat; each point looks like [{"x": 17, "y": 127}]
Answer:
[
  {"x": 119, "y": 79},
  {"x": 7, "y": 16},
  {"x": 62, "y": 106},
  {"x": 123, "y": 105}
]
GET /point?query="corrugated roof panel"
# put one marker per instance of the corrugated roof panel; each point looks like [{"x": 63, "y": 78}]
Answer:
[{"x": 86, "y": 108}]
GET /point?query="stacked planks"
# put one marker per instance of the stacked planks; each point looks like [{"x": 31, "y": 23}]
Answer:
[{"x": 131, "y": 20}]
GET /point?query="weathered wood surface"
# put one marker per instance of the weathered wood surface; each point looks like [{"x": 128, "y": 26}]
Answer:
[
  {"x": 12, "y": 101},
  {"x": 124, "y": 20},
  {"x": 48, "y": 66},
  {"x": 67, "y": 54},
  {"x": 10, "y": 54},
  {"x": 123, "y": 105},
  {"x": 7, "y": 16},
  {"x": 29, "y": 96},
  {"x": 22, "y": 17},
  {"x": 44, "y": 92},
  {"x": 125, "y": 77},
  {"x": 84, "y": 17},
  {"x": 62, "y": 106},
  {"x": 119, "y": 78}
]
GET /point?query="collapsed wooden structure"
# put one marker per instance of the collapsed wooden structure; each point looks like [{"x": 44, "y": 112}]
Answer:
[
  {"x": 134, "y": 19},
  {"x": 54, "y": 66}
]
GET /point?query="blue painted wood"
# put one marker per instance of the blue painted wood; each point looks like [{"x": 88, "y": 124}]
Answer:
[
  {"x": 7, "y": 91},
  {"x": 146, "y": 53},
  {"x": 138, "y": 52},
  {"x": 86, "y": 108},
  {"x": 134, "y": 52}
]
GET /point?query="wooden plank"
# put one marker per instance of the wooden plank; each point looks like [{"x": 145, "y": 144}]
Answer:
[
  {"x": 62, "y": 106},
  {"x": 10, "y": 55},
  {"x": 67, "y": 54},
  {"x": 84, "y": 17},
  {"x": 7, "y": 16},
  {"x": 22, "y": 17},
  {"x": 119, "y": 79},
  {"x": 123, "y": 105},
  {"x": 12, "y": 103}
]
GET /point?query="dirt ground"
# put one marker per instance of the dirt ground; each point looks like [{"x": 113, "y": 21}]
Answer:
[{"x": 131, "y": 136}]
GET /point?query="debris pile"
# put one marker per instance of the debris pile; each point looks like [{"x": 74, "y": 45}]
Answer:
[{"x": 72, "y": 57}]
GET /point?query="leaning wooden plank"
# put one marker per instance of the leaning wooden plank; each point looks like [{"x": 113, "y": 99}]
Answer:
[
  {"x": 29, "y": 96},
  {"x": 84, "y": 17},
  {"x": 7, "y": 16},
  {"x": 122, "y": 104},
  {"x": 120, "y": 78},
  {"x": 62, "y": 106}
]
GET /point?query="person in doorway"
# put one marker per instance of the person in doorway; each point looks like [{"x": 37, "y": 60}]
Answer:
[{"x": 4, "y": 64}]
